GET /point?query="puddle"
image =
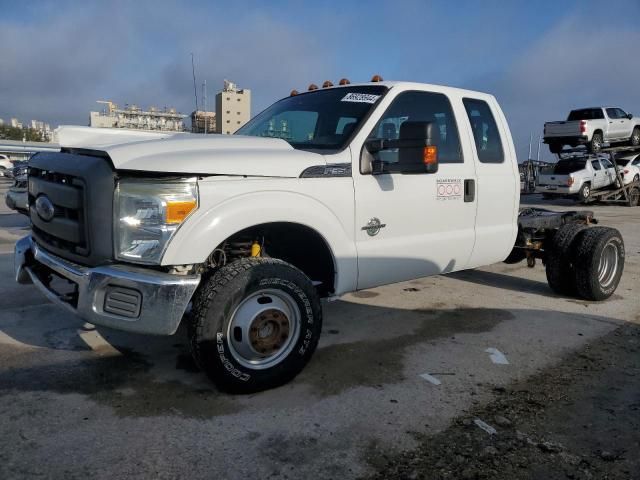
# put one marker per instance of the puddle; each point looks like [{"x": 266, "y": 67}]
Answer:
[{"x": 336, "y": 368}]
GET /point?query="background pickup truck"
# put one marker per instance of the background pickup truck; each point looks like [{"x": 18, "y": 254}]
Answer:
[
  {"x": 577, "y": 176},
  {"x": 593, "y": 127},
  {"x": 325, "y": 192}
]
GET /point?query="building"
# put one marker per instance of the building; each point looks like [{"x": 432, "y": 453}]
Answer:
[
  {"x": 233, "y": 108},
  {"x": 203, "y": 122},
  {"x": 15, "y": 123},
  {"x": 44, "y": 129},
  {"x": 134, "y": 117}
]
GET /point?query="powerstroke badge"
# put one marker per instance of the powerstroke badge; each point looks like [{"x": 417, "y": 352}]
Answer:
[
  {"x": 360, "y": 98},
  {"x": 449, "y": 189}
]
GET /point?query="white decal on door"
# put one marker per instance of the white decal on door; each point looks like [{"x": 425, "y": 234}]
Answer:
[{"x": 449, "y": 189}]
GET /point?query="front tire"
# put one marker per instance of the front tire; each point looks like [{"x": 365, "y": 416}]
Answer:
[
  {"x": 255, "y": 324},
  {"x": 599, "y": 262},
  {"x": 634, "y": 141}
]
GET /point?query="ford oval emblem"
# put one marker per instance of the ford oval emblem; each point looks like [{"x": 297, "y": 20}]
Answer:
[{"x": 45, "y": 208}]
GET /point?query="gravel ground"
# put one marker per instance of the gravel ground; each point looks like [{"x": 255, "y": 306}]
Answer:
[{"x": 578, "y": 419}]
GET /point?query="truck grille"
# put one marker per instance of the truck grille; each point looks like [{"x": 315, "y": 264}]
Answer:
[
  {"x": 75, "y": 219},
  {"x": 67, "y": 229}
]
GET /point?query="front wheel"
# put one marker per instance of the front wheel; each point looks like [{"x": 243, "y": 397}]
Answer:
[
  {"x": 634, "y": 141},
  {"x": 255, "y": 324}
]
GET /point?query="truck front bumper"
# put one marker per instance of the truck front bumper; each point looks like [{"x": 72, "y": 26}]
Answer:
[{"x": 117, "y": 296}]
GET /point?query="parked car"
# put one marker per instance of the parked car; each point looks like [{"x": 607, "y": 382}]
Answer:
[
  {"x": 17, "y": 197},
  {"x": 577, "y": 176},
  {"x": 629, "y": 166},
  {"x": 366, "y": 185},
  {"x": 593, "y": 127},
  {"x": 5, "y": 164}
]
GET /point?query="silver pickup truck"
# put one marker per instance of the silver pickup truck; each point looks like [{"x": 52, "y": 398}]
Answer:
[
  {"x": 593, "y": 127},
  {"x": 577, "y": 176}
]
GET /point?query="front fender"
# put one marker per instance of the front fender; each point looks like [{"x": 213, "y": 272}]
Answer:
[{"x": 210, "y": 226}]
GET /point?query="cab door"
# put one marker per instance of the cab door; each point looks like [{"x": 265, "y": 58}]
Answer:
[{"x": 419, "y": 224}]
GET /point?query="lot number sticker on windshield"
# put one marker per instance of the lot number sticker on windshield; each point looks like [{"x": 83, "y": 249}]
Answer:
[{"x": 360, "y": 98}]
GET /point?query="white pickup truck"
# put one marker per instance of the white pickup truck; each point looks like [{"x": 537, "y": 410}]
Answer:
[
  {"x": 577, "y": 176},
  {"x": 593, "y": 127},
  {"x": 326, "y": 192}
]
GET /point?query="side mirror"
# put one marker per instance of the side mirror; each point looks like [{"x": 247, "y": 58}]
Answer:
[
  {"x": 629, "y": 116},
  {"x": 416, "y": 153}
]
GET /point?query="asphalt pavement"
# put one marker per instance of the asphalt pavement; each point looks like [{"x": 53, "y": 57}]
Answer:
[{"x": 395, "y": 365}]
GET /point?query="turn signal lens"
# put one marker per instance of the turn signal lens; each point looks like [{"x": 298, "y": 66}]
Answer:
[
  {"x": 177, "y": 211},
  {"x": 570, "y": 181},
  {"x": 430, "y": 154}
]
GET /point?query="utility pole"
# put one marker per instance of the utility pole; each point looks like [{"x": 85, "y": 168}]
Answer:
[{"x": 204, "y": 101}]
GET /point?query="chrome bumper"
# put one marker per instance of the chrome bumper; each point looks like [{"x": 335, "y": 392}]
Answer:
[{"x": 117, "y": 296}]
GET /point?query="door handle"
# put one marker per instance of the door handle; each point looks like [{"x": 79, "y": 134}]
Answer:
[{"x": 469, "y": 190}]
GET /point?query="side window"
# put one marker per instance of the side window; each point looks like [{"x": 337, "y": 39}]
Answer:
[
  {"x": 485, "y": 131},
  {"x": 606, "y": 163},
  {"x": 636, "y": 162},
  {"x": 421, "y": 107},
  {"x": 596, "y": 165},
  {"x": 612, "y": 113},
  {"x": 621, "y": 113}
]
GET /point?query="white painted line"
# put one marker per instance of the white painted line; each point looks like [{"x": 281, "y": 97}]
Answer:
[
  {"x": 497, "y": 356},
  {"x": 431, "y": 379},
  {"x": 485, "y": 426}
]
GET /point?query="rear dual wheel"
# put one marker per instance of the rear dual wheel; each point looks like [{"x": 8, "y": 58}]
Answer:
[{"x": 585, "y": 262}]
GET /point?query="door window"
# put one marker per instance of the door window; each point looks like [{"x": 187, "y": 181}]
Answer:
[
  {"x": 621, "y": 113},
  {"x": 606, "y": 163},
  {"x": 613, "y": 113},
  {"x": 485, "y": 131},
  {"x": 421, "y": 107},
  {"x": 596, "y": 165}
]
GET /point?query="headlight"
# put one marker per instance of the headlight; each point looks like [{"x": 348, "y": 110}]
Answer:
[{"x": 147, "y": 214}]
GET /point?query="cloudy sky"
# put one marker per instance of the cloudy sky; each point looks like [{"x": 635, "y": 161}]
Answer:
[{"x": 539, "y": 58}]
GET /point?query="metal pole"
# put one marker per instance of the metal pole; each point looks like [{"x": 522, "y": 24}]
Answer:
[{"x": 530, "y": 140}]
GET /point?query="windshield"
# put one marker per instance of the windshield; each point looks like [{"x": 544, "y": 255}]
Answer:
[
  {"x": 565, "y": 167},
  {"x": 318, "y": 120}
]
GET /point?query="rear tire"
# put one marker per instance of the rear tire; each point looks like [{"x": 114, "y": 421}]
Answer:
[
  {"x": 516, "y": 256},
  {"x": 595, "y": 145},
  {"x": 585, "y": 193},
  {"x": 634, "y": 141},
  {"x": 255, "y": 324},
  {"x": 559, "y": 259},
  {"x": 634, "y": 196},
  {"x": 599, "y": 262}
]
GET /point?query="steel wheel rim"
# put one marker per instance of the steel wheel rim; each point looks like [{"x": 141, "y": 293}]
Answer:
[
  {"x": 263, "y": 329},
  {"x": 596, "y": 143},
  {"x": 586, "y": 192},
  {"x": 636, "y": 138},
  {"x": 608, "y": 266}
]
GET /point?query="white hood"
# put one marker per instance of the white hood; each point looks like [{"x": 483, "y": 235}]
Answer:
[{"x": 192, "y": 154}]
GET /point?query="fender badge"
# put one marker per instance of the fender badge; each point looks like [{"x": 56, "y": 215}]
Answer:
[{"x": 373, "y": 227}]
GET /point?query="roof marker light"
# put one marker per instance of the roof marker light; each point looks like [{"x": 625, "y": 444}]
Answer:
[
  {"x": 313, "y": 86},
  {"x": 293, "y": 93},
  {"x": 344, "y": 81},
  {"x": 376, "y": 78},
  {"x": 327, "y": 84}
]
